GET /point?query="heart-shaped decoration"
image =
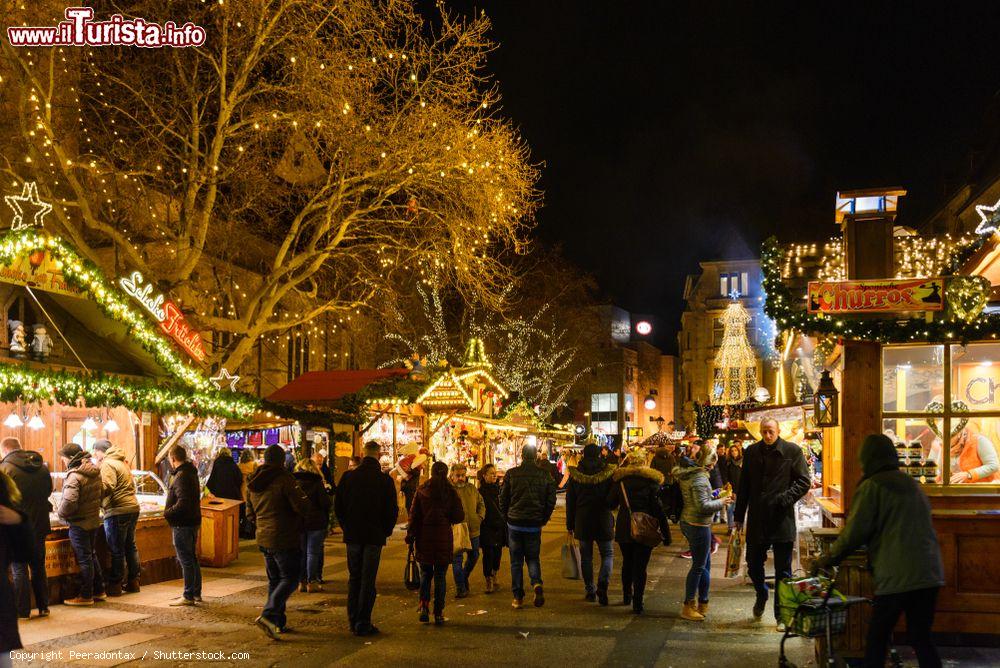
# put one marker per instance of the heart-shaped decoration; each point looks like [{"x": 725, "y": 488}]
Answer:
[
  {"x": 967, "y": 296},
  {"x": 957, "y": 406}
]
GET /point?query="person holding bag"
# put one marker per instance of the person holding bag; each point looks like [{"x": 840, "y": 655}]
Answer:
[
  {"x": 475, "y": 512},
  {"x": 436, "y": 507},
  {"x": 696, "y": 524},
  {"x": 636, "y": 494},
  {"x": 589, "y": 520}
]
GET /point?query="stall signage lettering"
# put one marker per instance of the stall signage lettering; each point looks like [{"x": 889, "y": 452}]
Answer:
[
  {"x": 38, "y": 270},
  {"x": 878, "y": 296},
  {"x": 166, "y": 313}
]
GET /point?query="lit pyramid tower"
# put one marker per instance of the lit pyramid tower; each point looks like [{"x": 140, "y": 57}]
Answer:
[{"x": 736, "y": 362}]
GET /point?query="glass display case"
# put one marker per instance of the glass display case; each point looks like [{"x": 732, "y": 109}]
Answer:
[{"x": 150, "y": 491}]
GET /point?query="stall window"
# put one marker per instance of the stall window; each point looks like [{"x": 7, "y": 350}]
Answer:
[{"x": 937, "y": 395}]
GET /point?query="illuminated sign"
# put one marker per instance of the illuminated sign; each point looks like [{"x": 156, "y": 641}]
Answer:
[
  {"x": 987, "y": 215},
  {"x": 876, "y": 296},
  {"x": 40, "y": 271},
  {"x": 643, "y": 328},
  {"x": 171, "y": 320}
]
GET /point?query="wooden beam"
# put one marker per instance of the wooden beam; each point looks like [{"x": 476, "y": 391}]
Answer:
[{"x": 169, "y": 443}]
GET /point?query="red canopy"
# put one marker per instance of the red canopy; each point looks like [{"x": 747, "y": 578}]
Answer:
[{"x": 325, "y": 387}]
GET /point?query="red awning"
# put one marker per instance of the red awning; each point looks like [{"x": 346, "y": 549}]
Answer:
[{"x": 325, "y": 387}]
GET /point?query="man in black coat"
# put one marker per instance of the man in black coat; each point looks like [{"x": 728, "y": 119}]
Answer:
[
  {"x": 29, "y": 472},
  {"x": 590, "y": 520},
  {"x": 182, "y": 512},
  {"x": 775, "y": 476},
  {"x": 366, "y": 508}
]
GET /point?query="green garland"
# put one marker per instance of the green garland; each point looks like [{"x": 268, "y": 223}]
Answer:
[
  {"x": 781, "y": 307},
  {"x": 97, "y": 389}
]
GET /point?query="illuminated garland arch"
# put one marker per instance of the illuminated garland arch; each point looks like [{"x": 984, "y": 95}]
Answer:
[{"x": 782, "y": 307}]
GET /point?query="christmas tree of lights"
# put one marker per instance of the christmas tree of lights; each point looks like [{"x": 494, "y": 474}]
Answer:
[{"x": 736, "y": 361}]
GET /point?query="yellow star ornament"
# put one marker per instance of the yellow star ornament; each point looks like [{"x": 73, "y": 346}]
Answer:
[{"x": 28, "y": 202}]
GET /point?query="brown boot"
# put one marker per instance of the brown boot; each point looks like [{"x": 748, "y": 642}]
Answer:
[
  {"x": 703, "y": 608},
  {"x": 132, "y": 587},
  {"x": 489, "y": 584},
  {"x": 690, "y": 612},
  {"x": 78, "y": 601},
  {"x": 114, "y": 589}
]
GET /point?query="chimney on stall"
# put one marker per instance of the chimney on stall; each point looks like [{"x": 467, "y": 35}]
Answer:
[{"x": 866, "y": 219}]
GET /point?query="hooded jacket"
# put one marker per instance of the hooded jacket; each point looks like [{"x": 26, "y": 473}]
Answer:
[
  {"x": 314, "y": 487},
  {"x": 473, "y": 505},
  {"x": 587, "y": 513},
  {"x": 773, "y": 479},
  {"x": 664, "y": 462},
  {"x": 183, "y": 506},
  {"x": 892, "y": 516},
  {"x": 28, "y": 471},
  {"x": 528, "y": 495},
  {"x": 278, "y": 504},
  {"x": 642, "y": 485},
  {"x": 696, "y": 491},
  {"x": 367, "y": 505},
  {"x": 226, "y": 479},
  {"x": 80, "y": 505},
  {"x": 117, "y": 484}
]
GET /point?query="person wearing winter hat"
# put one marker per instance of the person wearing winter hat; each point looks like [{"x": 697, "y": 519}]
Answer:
[
  {"x": 589, "y": 520},
  {"x": 80, "y": 508},
  {"x": 890, "y": 514}
]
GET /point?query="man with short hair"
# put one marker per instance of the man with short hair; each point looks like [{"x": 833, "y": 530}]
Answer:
[
  {"x": 28, "y": 471},
  {"x": 121, "y": 514},
  {"x": 80, "y": 508},
  {"x": 527, "y": 500},
  {"x": 475, "y": 513},
  {"x": 183, "y": 513},
  {"x": 775, "y": 476},
  {"x": 366, "y": 508},
  {"x": 276, "y": 503}
]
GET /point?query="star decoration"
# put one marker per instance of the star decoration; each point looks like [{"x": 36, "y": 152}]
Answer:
[
  {"x": 225, "y": 377},
  {"x": 988, "y": 224},
  {"x": 29, "y": 197}
]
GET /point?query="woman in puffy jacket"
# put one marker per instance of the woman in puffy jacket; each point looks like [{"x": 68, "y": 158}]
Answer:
[{"x": 696, "y": 524}]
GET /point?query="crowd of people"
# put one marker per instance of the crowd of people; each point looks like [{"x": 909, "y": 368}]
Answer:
[{"x": 451, "y": 521}]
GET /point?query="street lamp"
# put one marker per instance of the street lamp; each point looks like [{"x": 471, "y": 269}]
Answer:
[
  {"x": 650, "y": 402},
  {"x": 825, "y": 407}
]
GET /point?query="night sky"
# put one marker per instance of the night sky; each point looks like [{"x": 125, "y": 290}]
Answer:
[{"x": 672, "y": 133}]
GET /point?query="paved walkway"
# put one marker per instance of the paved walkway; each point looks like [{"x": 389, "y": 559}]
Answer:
[{"x": 482, "y": 630}]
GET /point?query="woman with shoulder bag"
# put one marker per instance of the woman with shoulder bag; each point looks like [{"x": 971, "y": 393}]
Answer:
[{"x": 636, "y": 493}]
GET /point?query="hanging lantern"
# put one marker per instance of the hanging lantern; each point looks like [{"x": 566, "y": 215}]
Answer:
[
  {"x": 89, "y": 424},
  {"x": 650, "y": 402},
  {"x": 111, "y": 426},
  {"x": 825, "y": 406},
  {"x": 13, "y": 421},
  {"x": 36, "y": 423}
]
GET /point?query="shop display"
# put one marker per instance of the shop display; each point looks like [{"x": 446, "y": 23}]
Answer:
[{"x": 150, "y": 491}]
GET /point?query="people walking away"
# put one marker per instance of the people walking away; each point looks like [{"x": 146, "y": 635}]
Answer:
[
  {"x": 527, "y": 499},
  {"x": 10, "y": 518},
  {"x": 121, "y": 515},
  {"x": 410, "y": 479},
  {"x": 436, "y": 507},
  {"x": 314, "y": 525},
  {"x": 475, "y": 511},
  {"x": 80, "y": 508},
  {"x": 890, "y": 514},
  {"x": 277, "y": 504},
  {"x": 247, "y": 466},
  {"x": 696, "y": 524},
  {"x": 731, "y": 470},
  {"x": 493, "y": 530},
  {"x": 366, "y": 508},
  {"x": 635, "y": 486},
  {"x": 31, "y": 477},
  {"x": 589, "y": 519},
  {"x": 183, "y": 513},
  {"x": 774, "y": 477}
]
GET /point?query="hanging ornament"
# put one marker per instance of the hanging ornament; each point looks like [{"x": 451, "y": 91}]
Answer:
[
  {"x": 27, "y": 203},
  {"x": 967, "y": 296},
  {"x": 736, "y": 361},
  {"x": 225, "y": 377}
]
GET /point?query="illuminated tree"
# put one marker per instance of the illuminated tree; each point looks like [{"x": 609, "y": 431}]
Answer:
[
  {"x": 310, "y": 156},
  {"x": 735, "y": 361}
]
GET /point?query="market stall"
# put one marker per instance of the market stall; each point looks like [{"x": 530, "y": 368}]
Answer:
[{"x": 915, "y": 358}]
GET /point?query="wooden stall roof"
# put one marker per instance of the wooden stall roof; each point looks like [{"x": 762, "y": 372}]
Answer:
[{"x": 323, "y": 388}]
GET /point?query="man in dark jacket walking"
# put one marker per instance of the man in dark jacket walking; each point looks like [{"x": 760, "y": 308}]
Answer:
[
  {"x": 775, "y": 476},
  {"x": 527, "y": 500},
  {"x": 366, "y": 508},
  {"x": 589, "y": 518},
  {"x": 892, "y": 516},
  {"x": 277, "y": 503},
  {"x": 28, "y": 471},
  {"x": 183, "y": 513}
]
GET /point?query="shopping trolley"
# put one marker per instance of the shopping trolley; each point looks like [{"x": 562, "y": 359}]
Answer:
[{"x": 821, "y": 616}]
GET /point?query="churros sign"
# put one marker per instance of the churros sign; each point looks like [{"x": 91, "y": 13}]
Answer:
[
  {"x": 80, "y": 29},
  {"x": 876, "y": 296}
]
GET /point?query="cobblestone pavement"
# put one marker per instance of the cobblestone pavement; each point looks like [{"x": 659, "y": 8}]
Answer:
[{"x": 481, "y": 630}]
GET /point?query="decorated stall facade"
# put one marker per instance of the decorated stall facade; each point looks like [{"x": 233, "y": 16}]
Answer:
[{"x": 913, "y": 355}]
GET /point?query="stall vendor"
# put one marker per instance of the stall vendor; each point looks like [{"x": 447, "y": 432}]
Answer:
[{"x": 973, "y": 457}]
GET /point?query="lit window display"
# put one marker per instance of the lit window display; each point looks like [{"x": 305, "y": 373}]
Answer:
[{"x": 932, "y": 395}]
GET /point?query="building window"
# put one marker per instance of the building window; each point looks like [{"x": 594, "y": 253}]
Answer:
[
  {"x": 604, "y": 413},
  {"x": 689, "y": 390},
  {"x": 629, "y": 409},
  {"x": 718, "y": 332},
  {"x": 734, "y": 282}
]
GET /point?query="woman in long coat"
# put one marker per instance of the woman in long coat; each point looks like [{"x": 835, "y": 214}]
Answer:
[
  {"x": 493, "y": 530},
  {"x": 436, "y": 507}
]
